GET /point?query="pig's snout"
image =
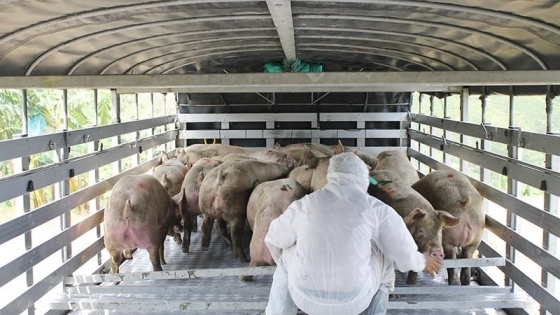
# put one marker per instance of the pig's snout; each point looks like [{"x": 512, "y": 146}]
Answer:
[{"x": 437, "y": 254}]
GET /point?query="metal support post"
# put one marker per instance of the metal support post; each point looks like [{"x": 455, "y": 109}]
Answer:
[
  {"x": 484, "y": 145},
  {"x": 65, "y": 221},
  {"x": 361, "y": 142},
  {"x": 270, "y": 141},
  {"x": 463, "y": 165},
  {"x": 165, "y": 114},
  {"x": 138, "y": 131},
  {"x": 430, "y": 150},
  {"x": 550, "y": 203},
  {"x": 23, "y": 203},
  {"x": 93, "y": 146},
  {"x": 153, "y": 131},
  {"x": 116, "y": 115},
  {"x": 419, "y": 128},
  {"x": 512, "y": 188},
  {"x": 314, "y": 126},
  {"x": 445, "y": 132},
  {"x": 225, "y": 126}
]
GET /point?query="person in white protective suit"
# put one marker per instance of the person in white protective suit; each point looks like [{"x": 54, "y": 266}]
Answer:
[{"x": 334, "y": 249}]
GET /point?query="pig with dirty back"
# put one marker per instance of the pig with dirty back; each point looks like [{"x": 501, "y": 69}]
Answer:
[
  {"x": 398, "y": 162},
  {"x": 224, "y": 194},
  {"x": 139, "y": 214},
  {"x": 452, "y": 191},
  {"x": 190, "y": 187},
  {"x": 267, "y": 202},
  {"x": 422, "y": 220}
]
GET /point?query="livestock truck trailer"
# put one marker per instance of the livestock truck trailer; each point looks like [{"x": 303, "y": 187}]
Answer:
[{"x": 93, "y": 92}]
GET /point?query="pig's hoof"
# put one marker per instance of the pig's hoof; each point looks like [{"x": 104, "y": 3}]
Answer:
[
  {"x": 204, "y": 248},
  {"x": 163, "y": 262},
  {"x": 394, "y": 296},
  {"x": 454, "y": 282},
  {"x": 246, "y": 278},
  {"x": 185, "y": 249}
]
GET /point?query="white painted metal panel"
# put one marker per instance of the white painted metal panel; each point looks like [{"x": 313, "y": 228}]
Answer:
[
  {"x": 363, "y": 116},
  {"x": 195, "y": 118}
]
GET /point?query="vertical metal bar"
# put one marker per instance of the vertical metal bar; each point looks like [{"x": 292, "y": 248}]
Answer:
[
  {"x": 270, "y": 141},
  {"x": 116, "y": 115},
  {"x": 445, "y": 132},
  {"x": 430, "y": 150},
  {"x": 138, "y": 131},
  {"x": 463, "y": 165},
  {"x": 165, "y": 114},
  {"x": 65, "y": 221},
  {"x": 419, "y": 127},
  {"x": 512, "y": 187},
  {"x": 153, "y": 131},
  {"x": 361, "y": 142},
  {"x": 550, "y": 202},
  {"x": 24, "y": 116},
  {"x": 23, "y": 203},
  {"x": 484, "y": 145},
  {"x": 93, "y": 146}
]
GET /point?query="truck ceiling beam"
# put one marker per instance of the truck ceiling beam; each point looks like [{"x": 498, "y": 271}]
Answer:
[
  {"x": 281, "y": 12},
  {"x": 288, "y": 82}
]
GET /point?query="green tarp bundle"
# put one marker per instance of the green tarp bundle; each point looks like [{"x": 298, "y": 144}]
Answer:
[{"x": 296, "y": 65}]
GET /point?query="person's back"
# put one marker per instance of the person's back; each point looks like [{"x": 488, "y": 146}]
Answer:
[
  {"x": 332, "y": 253},
  {"x": 333, "y": 248}
]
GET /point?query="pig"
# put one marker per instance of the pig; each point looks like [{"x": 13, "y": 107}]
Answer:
[
  {"x": 197, "y": 151},
  {"x": 266, "y": 203},
  {"x": 320, "y": 150},
  {"x": 422, "y": 220},
  {"x": 171, "y": 174},
  {"x": 138, "y": 215},
  {"x": 319, "y": 165},
  {"x": 369, "y": 159},
  {"x": 452, "y": 191},
  {"x": 397, "y": 161},
  {"x": 235, "y": 157},
  {"x": 224, "y": 194},
  {"x": 190, "y": 189},
  {"x": 302, "y": 175}
]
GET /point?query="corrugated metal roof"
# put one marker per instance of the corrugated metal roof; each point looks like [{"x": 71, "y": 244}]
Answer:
[{"x": 201, "y": 36}]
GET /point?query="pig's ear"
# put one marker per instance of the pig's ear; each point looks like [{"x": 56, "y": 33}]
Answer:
[
  {"x": 417, "y": 214},
  {"x": 164, "y": 156},
  {"x": 448, "y": 219},
  {"x": 309, "y": 158},
  {"x": 165, "y": 182},
  {"x": 200, "y": 177},
  {"x": 277, "y": 146},
  {"x": 373, "y": 164},
  {"x": 340, "y": 148}
]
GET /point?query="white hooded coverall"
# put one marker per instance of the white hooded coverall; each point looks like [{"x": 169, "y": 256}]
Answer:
[{"x": 334, "y": 248}]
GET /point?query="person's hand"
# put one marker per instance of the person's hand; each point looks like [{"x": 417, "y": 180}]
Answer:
[{"x": 433, "y": 265}]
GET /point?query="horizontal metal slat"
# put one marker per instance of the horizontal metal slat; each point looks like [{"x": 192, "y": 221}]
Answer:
[
  {"x": 35, "y": 255},
  {"x": 195, "y": 118},
  {"x": 495, "y": 300},
  {"x": 174, "y": 274},
  {"x": 535, "y": 290},
  {"x": 16, "y": 185},
  {"x": 39, "y": 289},
  {"x": 539, "y": 255},
  {"x": 33, "y": 219},
  {"x": 363, "y": 117},
  {"x": 291, "y": 133},
  {"x": 15, "y": 148},
  {"x": 529, "y": 174},
  {"x": 186, "y": 291},
  {"x": 528, "y": 140},
  {"x": 198, "y": 118},
  {"x": 543, "y": 219}
]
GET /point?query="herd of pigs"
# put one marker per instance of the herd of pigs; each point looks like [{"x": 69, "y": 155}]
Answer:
[{"x": 234, "y": 185}]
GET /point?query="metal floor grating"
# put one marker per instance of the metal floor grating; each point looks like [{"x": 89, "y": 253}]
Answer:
[{"x": 220, "y": 257}]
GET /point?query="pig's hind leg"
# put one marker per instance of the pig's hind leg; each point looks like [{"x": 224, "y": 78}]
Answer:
[
  {"x": 451, "y": 253},
  {"x": 467, "y": 252},
  {"x": 207, "y": 224},
  {"x": 154, "y": 253},
  {"x": 116, "y": 259},
  {"x": 222, "y": 226}
]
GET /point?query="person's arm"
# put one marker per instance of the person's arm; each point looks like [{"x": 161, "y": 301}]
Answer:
[
  {"x": 281, "y": 233},
  {"x": 395, "y": 241}
]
